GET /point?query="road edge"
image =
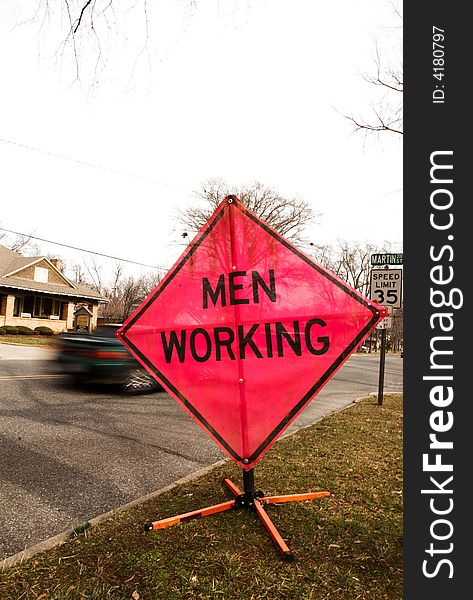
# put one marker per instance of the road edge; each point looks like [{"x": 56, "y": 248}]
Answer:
[
  {"x": 61, "y": 538},
  {"x": 64, "y": 536}
]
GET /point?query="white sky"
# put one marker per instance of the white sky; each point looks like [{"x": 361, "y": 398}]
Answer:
[{"x": 249, "y": 90}]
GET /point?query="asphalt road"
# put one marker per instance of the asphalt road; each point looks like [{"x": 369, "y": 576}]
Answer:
[{"x": 68, "y": 455}]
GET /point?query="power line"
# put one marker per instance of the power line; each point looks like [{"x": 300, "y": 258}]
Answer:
[
  {"x": 384, "y": 196},
  {"x": 27, "y": 235},
  {"x": 89, "y": 164}
]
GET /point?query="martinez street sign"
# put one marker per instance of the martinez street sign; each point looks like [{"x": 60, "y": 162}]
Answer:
[
  {"x": 387, "y": 259},
  {"x": 245, "y": 329}
]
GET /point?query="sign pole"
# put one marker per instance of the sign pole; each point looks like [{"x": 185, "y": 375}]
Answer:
[
  {"x": 382, "y": 357},
  {"x": 249, "y": 484}
]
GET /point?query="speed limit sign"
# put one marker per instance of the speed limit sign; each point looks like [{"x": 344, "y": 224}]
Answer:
[{"x": 386, "y": 287}]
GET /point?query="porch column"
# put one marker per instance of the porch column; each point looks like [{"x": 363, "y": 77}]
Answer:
[{"x": 9, "y": 305}]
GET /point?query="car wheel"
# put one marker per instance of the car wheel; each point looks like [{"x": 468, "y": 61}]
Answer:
[{"x": 139, "y": 381}]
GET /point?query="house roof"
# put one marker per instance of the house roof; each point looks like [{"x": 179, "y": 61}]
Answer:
[
  {"x": 83, "y": 309},
  {"x": 12, "y": 264}
]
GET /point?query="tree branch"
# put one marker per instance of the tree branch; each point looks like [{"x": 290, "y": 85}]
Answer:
[{"x": 79, "y": 20}]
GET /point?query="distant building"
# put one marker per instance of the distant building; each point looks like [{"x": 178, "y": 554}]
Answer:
[{"x": 34, "y": 291}]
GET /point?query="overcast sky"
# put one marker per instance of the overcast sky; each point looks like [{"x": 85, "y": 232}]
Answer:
[{"x": 245, "y": 91}]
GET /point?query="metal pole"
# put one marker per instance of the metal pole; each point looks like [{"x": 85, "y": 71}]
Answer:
[
  {"x": 249, "y": 482},
  {"x": 382, "y": 357},
  {"x": 247, "y": 499}
]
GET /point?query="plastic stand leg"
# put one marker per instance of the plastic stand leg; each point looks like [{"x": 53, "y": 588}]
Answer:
[{"x": 248, "y": 498}]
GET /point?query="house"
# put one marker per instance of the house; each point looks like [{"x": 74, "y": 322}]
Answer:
[{"x": 34, "y": 291}]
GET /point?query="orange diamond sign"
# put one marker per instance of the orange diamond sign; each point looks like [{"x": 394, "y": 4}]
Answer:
[{"x": 245, "y": 329}]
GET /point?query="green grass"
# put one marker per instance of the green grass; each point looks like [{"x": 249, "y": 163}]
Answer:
[
  {"x": 347, "y": 546},
  {"x": 47, "y": 341}
]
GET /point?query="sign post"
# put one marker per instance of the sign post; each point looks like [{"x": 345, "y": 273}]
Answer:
[
  {"x": 382, "y": 359},
  {"x": 243, "y": 332},
  {"x": 386, "y": 289}
]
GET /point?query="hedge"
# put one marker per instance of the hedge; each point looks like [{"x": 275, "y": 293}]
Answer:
[
  {"x": 24, "y": 330},
  {"x": 11, "y": 329},
  {"x": 43, "y": 330}
]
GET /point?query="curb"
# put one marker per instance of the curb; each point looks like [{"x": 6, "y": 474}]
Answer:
[
  {"x": 45, "y": 346},
  {"x": 63, "y": 537}
]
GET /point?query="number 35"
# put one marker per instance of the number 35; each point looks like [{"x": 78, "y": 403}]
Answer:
[{"x": 390, "y": 298}]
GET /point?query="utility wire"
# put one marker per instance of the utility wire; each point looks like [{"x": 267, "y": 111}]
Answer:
[
  {"x": 88, "y": 164},
  {"x": 27, "y": 235}
]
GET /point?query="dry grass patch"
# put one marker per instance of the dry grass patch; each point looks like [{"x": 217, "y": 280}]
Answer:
[{"x": 348, "y": 546}]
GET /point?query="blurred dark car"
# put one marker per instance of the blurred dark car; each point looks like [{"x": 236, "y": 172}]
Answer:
[{"x": 100, "y": 357}]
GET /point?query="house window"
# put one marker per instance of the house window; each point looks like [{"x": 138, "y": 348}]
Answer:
[
  {"x": 41, "y": 274},
  {"x": 46, "y": 307},
  {"x": 39, "y": 307},
  {"x": 56, "y": 309},
  {"x": 17, "y": 307},
  {"x": 28, "y": 304}
]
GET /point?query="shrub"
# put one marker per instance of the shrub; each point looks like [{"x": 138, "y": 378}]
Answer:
[
  {"x": 11, "y": 329},
  {"x": 2, "y": 331},
  {"x": 43, "y": 330},
  {"x": 24, "y": 330}
]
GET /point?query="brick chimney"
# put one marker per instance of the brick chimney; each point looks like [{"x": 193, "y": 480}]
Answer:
[{"x": 57, "y": 262}]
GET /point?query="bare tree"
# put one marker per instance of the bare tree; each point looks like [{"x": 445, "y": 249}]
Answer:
[
  {"x": 349, "y": 260},
  {"x": 85, "y": 34},
  {"x": 288, "y": 216},
  {"x": 95, "y": 272},
  {"x": 87, "y": 31},
  {"x": 23, "y": 244},
  {"x": 326, "y": 255},
  {"x": 132, "y": 293},
  {"x": 125, "y": 295},
  {"x": 355, "y": 265},
  {"x": 397, "y": 330},
  {"x": 123, "y": 292},
  {"x": 150, "y": 281},
  {"x": 387, "y": 85},
  {"x": 78, "y": 274}
]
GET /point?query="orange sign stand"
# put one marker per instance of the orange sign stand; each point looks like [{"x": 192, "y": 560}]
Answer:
[{"x": 248, "y": 498}]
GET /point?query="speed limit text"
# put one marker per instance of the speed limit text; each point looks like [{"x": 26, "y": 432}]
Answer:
[{"x": 386, "y": 280}]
